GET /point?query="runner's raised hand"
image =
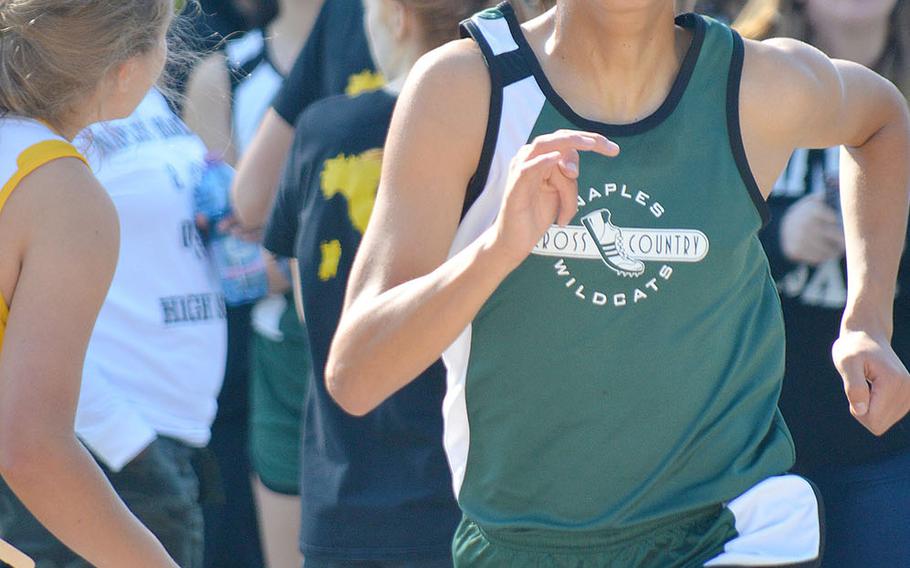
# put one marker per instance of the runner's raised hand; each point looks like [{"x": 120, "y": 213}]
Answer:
[{"x": 542, "y": 188}]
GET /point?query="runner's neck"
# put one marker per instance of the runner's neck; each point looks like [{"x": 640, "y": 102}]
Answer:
[{"x": 587, "y": 51}]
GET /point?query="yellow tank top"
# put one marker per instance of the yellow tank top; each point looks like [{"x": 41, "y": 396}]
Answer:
[{"x": 25, "y": 146}]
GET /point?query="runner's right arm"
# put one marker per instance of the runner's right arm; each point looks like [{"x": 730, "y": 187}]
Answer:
[
  {"x": 405, "y": 302},
  {"x": 68, "y": 252}
]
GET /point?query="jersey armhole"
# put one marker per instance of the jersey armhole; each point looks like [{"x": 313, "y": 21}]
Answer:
[
  {"x": 734, "y": 80},
  {"x": 478, "y": 181},
  {"x": 28, "y": 161},
  {"x": 33, "y": 158}
]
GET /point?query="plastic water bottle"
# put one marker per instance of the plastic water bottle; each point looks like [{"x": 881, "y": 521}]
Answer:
[{"x": 239, "y": 263}]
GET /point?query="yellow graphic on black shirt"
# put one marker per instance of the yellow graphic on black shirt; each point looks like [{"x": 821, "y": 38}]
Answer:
[
  {"x": 356, "y": 178},
  {"x": 331, "y": 256},
  {"x": 364, "y": 81}
]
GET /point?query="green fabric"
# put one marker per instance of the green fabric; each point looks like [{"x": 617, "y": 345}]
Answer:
[
  {"x": 289, "y": 324},
  {"x": 603, "y": 401},
  {"x": 278, "y": 381},
  {"x": 683, "y": 540}
]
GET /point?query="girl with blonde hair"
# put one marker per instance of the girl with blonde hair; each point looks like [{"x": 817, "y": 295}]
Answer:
[{"x": 64, "y": 64}]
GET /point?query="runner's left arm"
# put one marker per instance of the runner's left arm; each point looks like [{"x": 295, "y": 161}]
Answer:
[{"x": 838, "y": 103}]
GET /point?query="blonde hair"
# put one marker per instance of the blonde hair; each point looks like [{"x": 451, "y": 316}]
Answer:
[
  {"x": 757, "y": 18},
  {"x": 55, "y": 53}
]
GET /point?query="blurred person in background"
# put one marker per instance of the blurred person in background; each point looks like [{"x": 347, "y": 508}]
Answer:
[
  {"x": 208, "y": 25},
  {"x": 228, "y": 96},
  {"x": 751, "y": 18},
  {"x": 375, "y": 490},
  {"x": 723, "y": 10},
  {"x": 65, "y": 65},
  {"x": 335, "y": 60},
  {"x": 864, "y": 479},
  {"x": 230, "y": 91}
]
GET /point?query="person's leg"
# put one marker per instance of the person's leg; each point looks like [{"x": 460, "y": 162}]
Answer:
[
  {"x": 278, "y": 380},
  {"x": 867, "y": 506},
  {"x": 279, "y": 523}
]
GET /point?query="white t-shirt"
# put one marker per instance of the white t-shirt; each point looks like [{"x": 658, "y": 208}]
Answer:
[{"x": 155, "y": 362}]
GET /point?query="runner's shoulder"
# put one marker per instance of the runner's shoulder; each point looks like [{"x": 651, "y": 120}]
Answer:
[
  {"x": 64, "y": 202},
  {"x": 453, "y": 82},
  {"x": 784, "y": 69}
]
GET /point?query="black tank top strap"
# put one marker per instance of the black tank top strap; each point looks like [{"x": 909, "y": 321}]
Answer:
[
  {"x": 494, "y": 31},
  {"x": 239, "y": 72},
  {"x": 501, "y": 50}
]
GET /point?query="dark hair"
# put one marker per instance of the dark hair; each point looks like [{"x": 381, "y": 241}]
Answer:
[{"x": 55, "y": 53}]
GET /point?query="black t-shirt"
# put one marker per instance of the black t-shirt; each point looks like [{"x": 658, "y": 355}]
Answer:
[
  {"x": 375, "y": 487},
  {"x": 813, "y": 299},
  {"x": 334, "y": 60}
]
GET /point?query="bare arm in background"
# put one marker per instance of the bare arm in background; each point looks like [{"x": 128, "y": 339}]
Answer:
[
  {"x": 207, "y": 111},
  {"x": 832, "y": 103},
  {"x": 259, "y": 171},
  {"x": 66, "y": 240}
]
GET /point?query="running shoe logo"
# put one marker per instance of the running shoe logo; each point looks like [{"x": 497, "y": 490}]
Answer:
[
  {"x": 611, "y": 247},
  {"x": 623, "y": 249}
]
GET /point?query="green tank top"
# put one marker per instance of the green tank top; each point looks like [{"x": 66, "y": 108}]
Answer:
[{"x": 629, "y": 369}]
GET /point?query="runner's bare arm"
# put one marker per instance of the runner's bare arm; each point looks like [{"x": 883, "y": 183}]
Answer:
[
  {"x": 66, "y": 241},
  {"x": 405, "y": 302},
  {"x": 830, "y": 103},
  {"x": 433, "y": 146}
]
